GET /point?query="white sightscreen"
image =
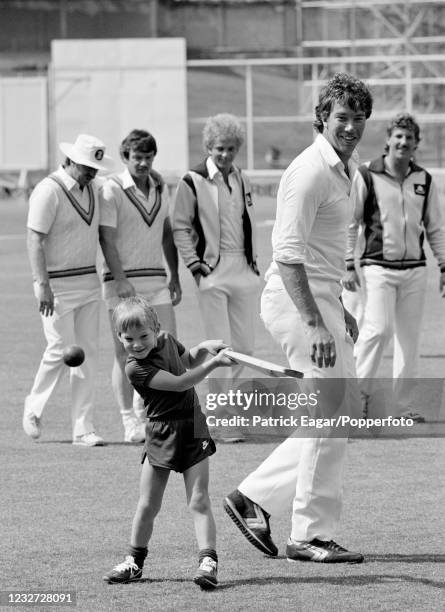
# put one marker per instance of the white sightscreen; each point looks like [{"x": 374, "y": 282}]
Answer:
[{"x": 108, "y": 87}]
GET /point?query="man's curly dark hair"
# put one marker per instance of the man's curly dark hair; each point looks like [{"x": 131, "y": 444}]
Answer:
[
  {"x": 406, "y": 122},
  {"x": 138, "y": 140},
  {"x": 345, "y": 89}
]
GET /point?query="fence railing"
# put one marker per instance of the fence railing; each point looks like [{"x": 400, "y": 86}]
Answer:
[
  {"x": 275, "y": 99},
  {"x": 277, "y": 96}
]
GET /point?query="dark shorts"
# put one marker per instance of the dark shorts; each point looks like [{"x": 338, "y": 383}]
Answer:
[{"x": 177, "y": 445}]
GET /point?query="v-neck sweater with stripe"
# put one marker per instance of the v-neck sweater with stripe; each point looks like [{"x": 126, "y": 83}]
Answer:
[
  {"x": 139, "y": 226},
  {"x": 70, "y": 224}
]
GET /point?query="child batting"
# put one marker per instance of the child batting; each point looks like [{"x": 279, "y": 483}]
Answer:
[{"x": 177, "y": 437}]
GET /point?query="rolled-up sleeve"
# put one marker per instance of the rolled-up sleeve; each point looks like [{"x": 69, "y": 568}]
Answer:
[{"x": 298, "y": 200}]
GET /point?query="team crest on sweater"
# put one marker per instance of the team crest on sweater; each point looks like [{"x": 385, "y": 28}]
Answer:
[{"x": 419, "y": 189}]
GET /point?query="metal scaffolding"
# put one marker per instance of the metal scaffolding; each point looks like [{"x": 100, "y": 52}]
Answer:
[{"x": 399, "y": 26}]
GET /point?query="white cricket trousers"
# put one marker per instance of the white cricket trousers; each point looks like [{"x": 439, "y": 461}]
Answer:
[
  {"x": 228, "y": 299},
  {"x": 73, "y": 322},
  {"x": 307, "y": 471},
  {"x": 394, "y": 307}
]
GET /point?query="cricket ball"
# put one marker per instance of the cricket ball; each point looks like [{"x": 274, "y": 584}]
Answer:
[{"x": 73, "y": 355}]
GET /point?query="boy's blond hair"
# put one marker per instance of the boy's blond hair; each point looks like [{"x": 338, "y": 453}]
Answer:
[{"x": 135, "y": 312}]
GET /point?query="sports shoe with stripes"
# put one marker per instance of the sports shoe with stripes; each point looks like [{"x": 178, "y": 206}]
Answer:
[
  {"x": 127, "y": 571},
  {"x": 251, "y": 520},
  {"x": 207, "y": 574},
  {"x": 320, "y": 551}
]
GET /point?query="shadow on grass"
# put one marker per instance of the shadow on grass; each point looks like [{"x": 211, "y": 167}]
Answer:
[
  {"x": 53, "y": 442},
  {"x": 129, "y": 444},
  {"x": 354, "y": 581},
  {"x": 350, "y": 581},
  {"x": 418, "y": 558},
  {"x": 160, "y": 580},
  {"x": 383, "y": 558}
]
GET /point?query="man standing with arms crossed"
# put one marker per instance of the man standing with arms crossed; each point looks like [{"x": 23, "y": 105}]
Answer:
[{"x": 301, "y": 307}]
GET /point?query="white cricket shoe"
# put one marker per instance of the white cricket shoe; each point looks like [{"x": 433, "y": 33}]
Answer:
[
  {"x": 31, "y": 425},
  {"x": 89, "y": 439},
  {"x": 134, "y": 430}
]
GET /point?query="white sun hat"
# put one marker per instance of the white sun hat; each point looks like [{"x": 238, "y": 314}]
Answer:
[{"x": 88, "y": 151}]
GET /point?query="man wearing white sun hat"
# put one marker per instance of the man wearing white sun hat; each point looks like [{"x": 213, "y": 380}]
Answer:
[{"x": 62, "y": 247}]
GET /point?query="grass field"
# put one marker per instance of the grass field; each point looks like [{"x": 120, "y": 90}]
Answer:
[{"x": 66, "y": 511}]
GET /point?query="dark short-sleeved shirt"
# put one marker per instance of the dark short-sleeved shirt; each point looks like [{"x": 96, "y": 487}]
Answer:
[{"x": 162, "y": 405}]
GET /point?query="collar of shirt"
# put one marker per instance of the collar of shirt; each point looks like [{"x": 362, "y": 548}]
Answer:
[
  {"x": 388, "y": 170},
  {"x": 331, "y": 157},
  {"x": 213, "y": 170},
  {"x": 128, "y": 181},
  {"x": 68, "y": 180}
]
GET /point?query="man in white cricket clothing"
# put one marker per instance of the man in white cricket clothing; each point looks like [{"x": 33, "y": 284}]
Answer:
[
  {"x": 135, "y": 235},
  {"x": 302, "y": 309},
  {"x": 63, "y": 241}
]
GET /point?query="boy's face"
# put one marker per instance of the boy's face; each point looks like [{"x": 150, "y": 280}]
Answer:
[
  {"x": 139, "y": 163},
  {"x": 138, "y": 341},
  {"x": 343, "y": 129}
]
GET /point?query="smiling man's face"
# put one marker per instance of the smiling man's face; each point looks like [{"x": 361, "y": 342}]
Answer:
[
  {"x": 343, "y": 129},
  {"x": 401, "y": 144}
]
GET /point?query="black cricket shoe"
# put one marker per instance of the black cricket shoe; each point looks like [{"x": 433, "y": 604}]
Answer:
[
  {"x": 252, "y": 521},
  {"x": 321, "y": 551}
]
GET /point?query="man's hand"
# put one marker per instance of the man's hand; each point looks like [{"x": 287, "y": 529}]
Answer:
[
  {"x": 124, "y": 288},
  {"x": 442, "y": 284},
  {"x": 45, "y": 297},
  {"x": 204, "y": 270},
  {"x": 321, "y": 341},
  {"x": 322, "y": 345},
  {"x": 351, "y": 280},
  {"x": 351, "y": 325},
  {"x": 174, "y": 286}
]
